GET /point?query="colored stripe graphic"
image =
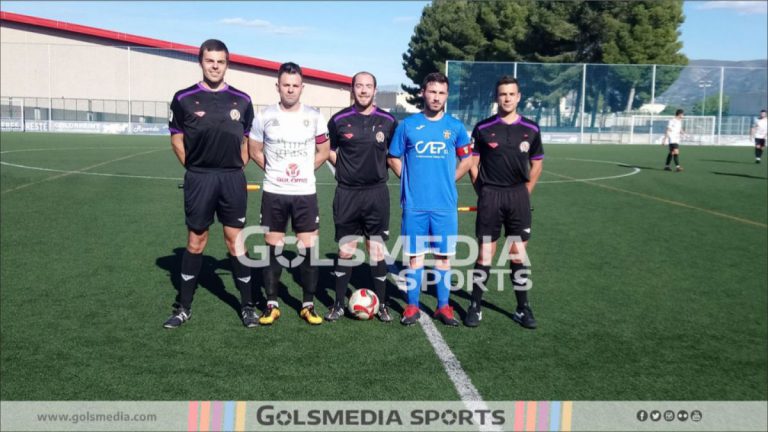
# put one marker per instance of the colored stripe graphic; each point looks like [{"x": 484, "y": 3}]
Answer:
[
  {"x": 240, "y": 416},
  {"x": 567, "y": 412},
  {"x": 530, "y": 416},
  {"x": 229, "y": 416},
  {"x": 519, "y": 416},
  {"x": 205, "y": 416},
  {"x": 543, "y": 416},
  {"x": 554, "y": 416},
  {"x": 192, "y": 417},
  {"x": 218, "y": 407}
]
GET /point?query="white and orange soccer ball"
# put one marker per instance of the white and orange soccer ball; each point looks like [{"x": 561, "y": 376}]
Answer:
[{"x": 364, "y": 304}]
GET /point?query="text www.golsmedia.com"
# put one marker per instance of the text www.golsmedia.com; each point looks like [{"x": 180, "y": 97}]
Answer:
[{"x": 89, "y": 417}]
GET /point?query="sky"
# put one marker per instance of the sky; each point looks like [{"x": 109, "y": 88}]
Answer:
[{"x": 348, "y": 36}]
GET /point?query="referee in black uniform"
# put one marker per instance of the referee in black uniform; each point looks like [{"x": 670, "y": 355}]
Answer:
[
  {"x": 209, "y": 125},
  {"x": 509, "y": 154},
  {"x": 360, "y": 137}
]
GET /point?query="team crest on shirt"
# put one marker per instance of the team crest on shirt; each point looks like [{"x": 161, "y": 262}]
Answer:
[
  {"x": 524, "y": 146},
  {"x": 447, "y": 134},
  {"x": 380, "y": 136},
  {"x": 292, "y": 170},
  {"x": 235, "y": 115},
  {"x": 306, "y": 122}
]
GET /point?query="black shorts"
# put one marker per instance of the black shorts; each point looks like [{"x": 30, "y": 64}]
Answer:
[
  {"x": 277, "y": 209},
  {"x": 759, "y": 142},
  {"x": 219, "y": 192},
  {"x": 361, "y": 212},
  {"x": 508, "y": 206},
  {"x": 673, "y": 146}
]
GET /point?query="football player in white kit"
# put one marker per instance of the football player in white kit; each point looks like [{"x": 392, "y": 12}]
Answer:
[
  {"x": 289, "y": 141},
  {"x": 759, "y": 132},
  {"x": 672, "y": 137}
]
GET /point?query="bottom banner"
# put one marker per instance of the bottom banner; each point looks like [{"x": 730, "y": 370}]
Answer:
[{"x": 384, "y": 416}]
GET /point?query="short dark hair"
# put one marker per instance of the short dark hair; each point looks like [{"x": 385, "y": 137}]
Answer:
[
  {"x": 506, "y": 79},
  {"x": 354, "y": 77},
  {"x": 289, "y": 68},
  {"x": 762, "y": 111},
  {"x": 678, "y": 112},
  {"x": 434, "y": 77},
  {"x": 212, "y": 45}
]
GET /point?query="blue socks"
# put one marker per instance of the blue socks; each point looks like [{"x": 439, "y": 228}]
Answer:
[
  {"x": 443, "y": 287},
  {"x": 413, "y": 278}
]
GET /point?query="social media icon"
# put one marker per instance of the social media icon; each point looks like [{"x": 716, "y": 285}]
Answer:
[
  {"x": 669, "y": 415},
  {"x": 642, "y": 415},
  {"x": 682, "y": 415},
  {"x": 655, "y": 415},
  {"x": 696, "y": 415}
]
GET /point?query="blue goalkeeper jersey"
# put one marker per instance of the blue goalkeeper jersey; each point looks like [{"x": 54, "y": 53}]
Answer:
[{"x": 429, "y": 151}]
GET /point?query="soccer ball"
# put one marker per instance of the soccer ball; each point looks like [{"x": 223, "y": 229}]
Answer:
[{"x": 363, "y": 304}]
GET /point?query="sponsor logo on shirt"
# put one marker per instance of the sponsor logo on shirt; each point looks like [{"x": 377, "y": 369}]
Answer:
[
  {"x": 199, "y": 113},
  {"x": 292, "y": 170},
  {"x": 431, "y": 148},
  {"x": 293, "y": 173},
  {"x": 493, "y": 145},
  {"x": 348, "y": 135}
]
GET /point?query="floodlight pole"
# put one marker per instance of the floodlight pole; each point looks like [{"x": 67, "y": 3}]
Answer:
[
  {"x": 703, "y": 85},
  {"x": 720, "y": 109}
]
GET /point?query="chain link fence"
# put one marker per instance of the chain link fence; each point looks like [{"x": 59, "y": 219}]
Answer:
[{"x": 591, "y": 103}]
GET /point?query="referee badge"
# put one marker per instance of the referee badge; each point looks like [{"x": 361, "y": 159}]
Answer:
[
  {"x": 235, "y": 114},
  {"x": 380, "y": 137},
  {"x": 524, "y": 146}
]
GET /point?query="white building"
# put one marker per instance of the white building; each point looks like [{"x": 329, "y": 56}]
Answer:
[{"x": 63, "y": 71}]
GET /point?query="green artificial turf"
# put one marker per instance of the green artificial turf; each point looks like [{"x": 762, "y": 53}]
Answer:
[{"x": 645, "y": 286}]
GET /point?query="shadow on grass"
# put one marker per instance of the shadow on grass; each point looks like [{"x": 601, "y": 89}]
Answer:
[
  {"x": 638, "y": 166},
  {"x": 361, "y": 278},
  {"x": 728, "y": 161},
  {"x": 485, "y": 304},
  {"x": 740, "y": 175},
  {"x": 209, "y": 278}
]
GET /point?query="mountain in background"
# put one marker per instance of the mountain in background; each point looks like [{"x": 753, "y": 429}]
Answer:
[{"x": 745, "y": 83}]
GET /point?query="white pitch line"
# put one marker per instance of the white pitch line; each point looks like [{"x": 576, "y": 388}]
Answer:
[
  {"x": 79, "y": 171},
  {"x": 635, "y": 170},
  {"x": 331, "y": 167},
  {"x": 90, "y": 173},
  {"x": 468, "y": 393}
]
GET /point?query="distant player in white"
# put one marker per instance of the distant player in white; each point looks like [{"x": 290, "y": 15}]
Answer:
[
  {"x": 289, "y": 141},
  {"x": 759, "y": 132},
  {"x": 672, "y": 137}
]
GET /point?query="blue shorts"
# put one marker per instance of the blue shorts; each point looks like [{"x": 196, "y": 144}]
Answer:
[{"x": 429, "y": 231}]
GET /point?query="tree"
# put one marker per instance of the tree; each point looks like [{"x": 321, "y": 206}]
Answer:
[
  {"x": 710, "y": 106},
  {"x": 447, "y": 30},
  {"x": 626, "y": 32}
]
